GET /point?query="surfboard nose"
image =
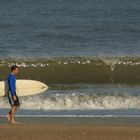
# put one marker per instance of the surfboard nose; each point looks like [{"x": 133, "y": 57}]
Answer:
[{"x": 44, "y": 87}]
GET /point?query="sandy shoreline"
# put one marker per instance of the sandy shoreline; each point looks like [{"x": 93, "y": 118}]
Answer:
[
  {"x": 69, "y": 132},
  {"x": 35, "y": 128}
]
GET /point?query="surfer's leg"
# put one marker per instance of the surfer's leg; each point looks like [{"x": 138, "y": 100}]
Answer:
[
  {"x": 14, "y": 109},
  {"x": 12, "y": 114},
  {"x": 9, "y": 116}
]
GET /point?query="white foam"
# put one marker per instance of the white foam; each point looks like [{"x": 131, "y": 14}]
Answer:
[
  {"x": 75, "y": 116},
  {"x": 74, "y": 101}
]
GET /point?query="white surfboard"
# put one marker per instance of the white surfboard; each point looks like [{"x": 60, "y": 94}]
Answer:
[{"x": 24, "y": 87}]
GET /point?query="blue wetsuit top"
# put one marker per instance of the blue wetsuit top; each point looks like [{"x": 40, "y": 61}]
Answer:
[{"x": 12, "y": 84}]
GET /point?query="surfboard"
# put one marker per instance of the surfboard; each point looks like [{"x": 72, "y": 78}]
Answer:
[{"x": 24, "y": 87}]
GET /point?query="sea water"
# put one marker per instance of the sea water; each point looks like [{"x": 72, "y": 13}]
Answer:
[{"x": 87, "y": 52}]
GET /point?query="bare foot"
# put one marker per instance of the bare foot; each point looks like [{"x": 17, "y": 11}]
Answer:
[
  {"x": 14, "y": 122},
  {"x": 8, "y": 117}
]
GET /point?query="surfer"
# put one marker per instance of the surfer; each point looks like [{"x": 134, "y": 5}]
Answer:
[{"x": 13, "y": 98}]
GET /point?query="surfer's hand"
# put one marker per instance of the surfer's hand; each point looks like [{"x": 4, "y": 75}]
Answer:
[{"x": 14, "y": 97}]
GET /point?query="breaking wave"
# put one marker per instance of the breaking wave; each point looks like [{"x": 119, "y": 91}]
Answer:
[
  {"x": 77, "y": 70},
  {"x": 76, "y": 101}
]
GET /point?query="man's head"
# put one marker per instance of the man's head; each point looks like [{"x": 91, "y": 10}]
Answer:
[{"x": 15, "y": 69}]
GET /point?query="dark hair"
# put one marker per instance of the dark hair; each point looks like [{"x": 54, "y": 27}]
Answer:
[{"x": 14, "y": 67}]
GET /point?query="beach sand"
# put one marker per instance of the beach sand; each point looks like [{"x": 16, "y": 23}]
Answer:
[{"x": 69, "y": 132}]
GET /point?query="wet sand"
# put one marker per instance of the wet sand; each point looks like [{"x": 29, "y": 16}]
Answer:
[
  {"x": 69, "y": 132},
  {"x": 45, "y": 128}
]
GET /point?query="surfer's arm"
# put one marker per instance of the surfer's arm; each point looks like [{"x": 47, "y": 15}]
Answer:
[{"x": 11, "y": 82}]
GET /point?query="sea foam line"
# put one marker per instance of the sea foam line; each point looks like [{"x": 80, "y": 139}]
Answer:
[{"x": 75, "y": 116}]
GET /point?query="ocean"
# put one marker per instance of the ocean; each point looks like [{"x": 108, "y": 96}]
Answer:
[{"x": 87, "y": 52}]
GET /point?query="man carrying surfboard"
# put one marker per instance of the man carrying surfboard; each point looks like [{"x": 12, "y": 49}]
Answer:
[{"x": 12, "y": 96}]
